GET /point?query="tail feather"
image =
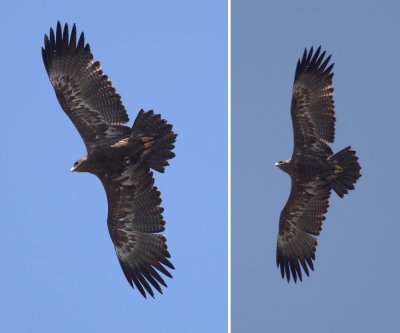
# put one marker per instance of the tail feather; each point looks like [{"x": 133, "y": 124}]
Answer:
[
  {"x": 348, "y": 168},
  {"x": 158, "y": 139}
]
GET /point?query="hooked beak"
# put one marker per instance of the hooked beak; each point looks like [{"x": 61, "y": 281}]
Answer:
[
  {"x": 276, "y": 164},
  {"x": 72, "y": 169}
]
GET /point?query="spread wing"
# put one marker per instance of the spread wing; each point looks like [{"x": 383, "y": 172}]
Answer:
[
  {"x": 134, "y": 219},
  {"x": 312, "y": 109},
  {"x": 84, "y": 93},
  {"x": 300, "y": 220}
]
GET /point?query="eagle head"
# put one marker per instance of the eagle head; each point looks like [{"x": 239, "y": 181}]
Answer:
[
  {"x": 80, "y": 165},
  {"x": 283, "y": 165}
]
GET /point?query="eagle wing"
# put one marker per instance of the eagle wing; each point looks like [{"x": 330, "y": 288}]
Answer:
[
  {"x": 300, "y": 220},
  {"x": 312, "y": 108},
  {"x": 84, "y": 93},
  {"x": 134, "y": 219}
]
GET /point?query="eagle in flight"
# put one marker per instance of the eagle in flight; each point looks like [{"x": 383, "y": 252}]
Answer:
[
  {"x": 314, "y": 170},
  {"x": 120, "y": 156}
]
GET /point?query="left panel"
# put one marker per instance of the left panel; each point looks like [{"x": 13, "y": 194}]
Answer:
[{"x": 60, "y": 269}]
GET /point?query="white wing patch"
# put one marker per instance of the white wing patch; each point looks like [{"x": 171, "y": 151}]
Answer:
[{"x": 120, "y": 143}]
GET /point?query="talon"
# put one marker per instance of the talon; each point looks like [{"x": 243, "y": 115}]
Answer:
[
  {"x": 147, "y": 142},
  {"x": 338, "y": 169}
]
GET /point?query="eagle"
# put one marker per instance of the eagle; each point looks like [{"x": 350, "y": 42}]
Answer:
[
  {"x": 314, "y": 169},
  {"x": 121, "y": 157}
]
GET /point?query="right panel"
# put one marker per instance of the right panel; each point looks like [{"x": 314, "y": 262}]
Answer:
[{"x": 354, "y": 284}]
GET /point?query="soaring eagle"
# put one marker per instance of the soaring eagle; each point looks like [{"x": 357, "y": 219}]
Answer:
[
  {"x": 314, "y": 170},
  {"x": 120, "y": 156}
]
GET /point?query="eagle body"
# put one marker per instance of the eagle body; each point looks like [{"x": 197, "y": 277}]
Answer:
[
  {"x": 113, "y": 156},
  {"x": 314, "y": 169},
  {"x": 121, "y": 157},
  {"x": 308, "y": 166}
]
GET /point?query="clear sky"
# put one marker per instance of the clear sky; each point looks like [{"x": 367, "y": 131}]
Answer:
[
  {"x": 354, "y": 287},
  {"x": 59, "y": 271}
]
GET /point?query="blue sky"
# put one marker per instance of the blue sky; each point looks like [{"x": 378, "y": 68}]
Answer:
[
  {"x": 59, "y": 271},
  {"x": 354, "y": 287}
]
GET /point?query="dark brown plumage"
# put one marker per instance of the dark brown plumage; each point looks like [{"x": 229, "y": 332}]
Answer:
[
  {"x": 314, "y": 170},
  {"x": 121, "y": 157}
]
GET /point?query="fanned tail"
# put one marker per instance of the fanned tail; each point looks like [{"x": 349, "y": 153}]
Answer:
[
  {"x": 347, "y": 171},
  {"x": 157, "y": 137}
]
